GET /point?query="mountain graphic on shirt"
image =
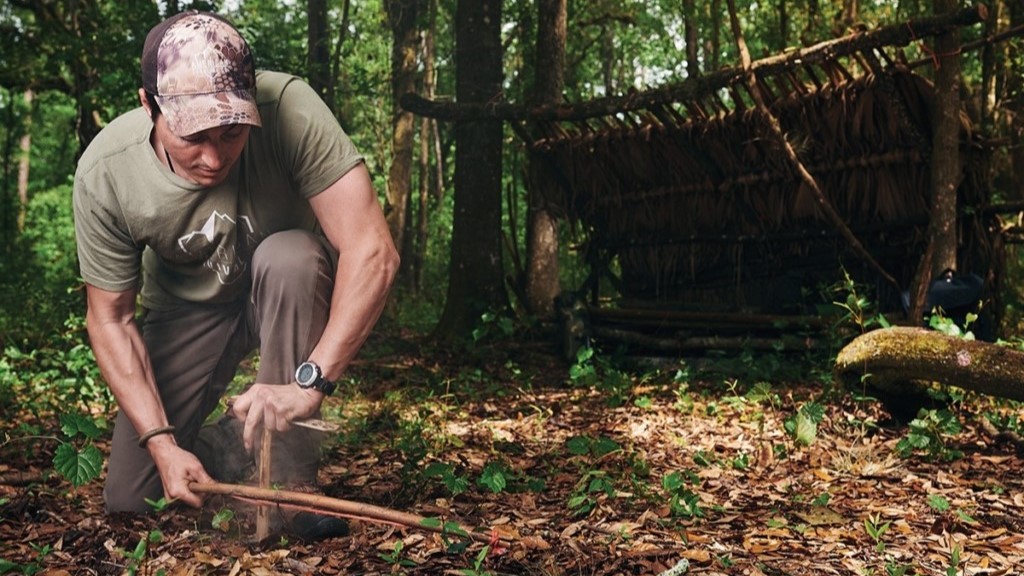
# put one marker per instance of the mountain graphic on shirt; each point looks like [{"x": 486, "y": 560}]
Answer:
[{"x": 224, "y": 259}]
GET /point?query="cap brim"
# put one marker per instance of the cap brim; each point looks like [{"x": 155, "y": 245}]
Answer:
[{"x": 193, "y": 113}]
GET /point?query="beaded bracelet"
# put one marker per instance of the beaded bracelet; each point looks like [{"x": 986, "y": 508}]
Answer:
[{"x": 154, "y": 432}]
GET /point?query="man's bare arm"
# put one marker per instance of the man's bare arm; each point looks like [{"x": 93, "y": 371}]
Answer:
[
  {"x": 124, "y": 362},
  {"x": 353, "y": 222}
]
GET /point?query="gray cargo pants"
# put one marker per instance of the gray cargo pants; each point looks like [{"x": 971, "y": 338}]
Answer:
[{"x": 195, "y": 350}]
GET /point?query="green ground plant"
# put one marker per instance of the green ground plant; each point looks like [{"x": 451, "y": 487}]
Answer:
[
  {"x": 136, "y": 559},
  {"x": 600, "y": 372},
  {"x": 395, "y": 557},
  {"x": 929, "y": 434},
  {"x": 683, "y": 502},
  {"x": 77, "y": 458},
  {"x": 29, "y": 568}
]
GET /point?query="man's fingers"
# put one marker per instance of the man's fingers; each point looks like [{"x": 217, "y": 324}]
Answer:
[{"x": 252, "y": 426}]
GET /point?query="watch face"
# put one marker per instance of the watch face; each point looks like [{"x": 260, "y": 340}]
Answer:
[{"x": 306, "y": 374}]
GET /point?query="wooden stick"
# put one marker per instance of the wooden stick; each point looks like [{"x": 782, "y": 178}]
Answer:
[
  {"x": 345, "y": 508},
  {"x": 263, "y": 510}
]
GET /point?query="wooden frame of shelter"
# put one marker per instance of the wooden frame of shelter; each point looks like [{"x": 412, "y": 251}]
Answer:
[{"x": 701, "y": 224}]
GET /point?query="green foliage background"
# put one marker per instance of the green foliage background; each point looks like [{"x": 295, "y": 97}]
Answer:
[{"x": 81, "y": 61}]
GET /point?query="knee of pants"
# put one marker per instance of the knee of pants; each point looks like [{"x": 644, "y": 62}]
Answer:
[
  {"x": 118, "y": 497},
  {"x": 294, "y": 256}
]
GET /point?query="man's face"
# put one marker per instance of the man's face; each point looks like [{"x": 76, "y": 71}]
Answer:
[{"x": 205, "y": 157}]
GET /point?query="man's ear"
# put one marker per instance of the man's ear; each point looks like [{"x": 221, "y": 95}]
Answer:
[{"x": 145, "y": 103}]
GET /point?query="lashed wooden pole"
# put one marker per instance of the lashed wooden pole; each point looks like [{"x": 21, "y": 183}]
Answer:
[
  {"x": 831, "y": 214},
  {"x": 697, "y": 87},
  {"x": 344, "y": 508}
]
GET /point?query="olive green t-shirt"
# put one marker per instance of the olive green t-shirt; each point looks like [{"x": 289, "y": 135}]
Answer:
[{"x": 137, "y": 222}]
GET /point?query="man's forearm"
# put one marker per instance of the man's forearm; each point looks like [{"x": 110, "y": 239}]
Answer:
[
  {"x": 124, "y": 362},
  {"x": 361, "y": 288}
]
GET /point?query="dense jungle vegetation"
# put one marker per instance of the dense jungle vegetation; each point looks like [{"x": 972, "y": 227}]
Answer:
[{"x": 751, "y": 462}]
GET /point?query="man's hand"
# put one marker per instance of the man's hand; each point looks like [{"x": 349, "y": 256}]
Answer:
[
  {"x": 273, "y": 407},
  {"x": 177, "y": 468}
]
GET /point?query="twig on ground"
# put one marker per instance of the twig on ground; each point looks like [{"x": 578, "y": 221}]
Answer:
[
  {"x": 344, "y": 508},
  {"x": 1001, "y": 435}
]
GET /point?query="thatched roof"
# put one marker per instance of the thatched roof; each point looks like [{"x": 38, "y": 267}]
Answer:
[{"x": 693, "y": 203}]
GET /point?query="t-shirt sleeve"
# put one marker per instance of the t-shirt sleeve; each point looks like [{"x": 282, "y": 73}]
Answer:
[
  {"x": 315, "y": 145},
  {"x": 108, "y": 257}
]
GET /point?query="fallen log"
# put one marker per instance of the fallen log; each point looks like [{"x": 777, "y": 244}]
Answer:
[
  {"x": 897, "y": 356},
  {"x": 344, "y": 508}
]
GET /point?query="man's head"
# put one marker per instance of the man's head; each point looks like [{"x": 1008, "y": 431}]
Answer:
[{"x": 200, "y": 72}]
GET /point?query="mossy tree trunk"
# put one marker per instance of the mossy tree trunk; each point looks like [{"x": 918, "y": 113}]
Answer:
[{"x": 898, "y": 356}]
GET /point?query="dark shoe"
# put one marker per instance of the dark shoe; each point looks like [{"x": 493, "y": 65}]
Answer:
[
  {"x": 311, "y": 527},
  {"x": 219, "y": 447}
]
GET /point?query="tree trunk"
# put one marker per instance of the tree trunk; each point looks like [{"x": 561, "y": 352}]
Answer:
[
  {"x": 476, "y": 277},
  {"x": 987, "y": 94},
  {"x": 405, "y": 39},
  {"x": 318, "y": 47},
  {"x": 810, "y": 32},
  {"x": 715, "y": 49},
  {"x": 428, "y": 128},
  {"x": 8, "y": 204},
  {"x": 783, "y": 11},
  {"x": 946, "y": 173},
  {"x": 692, "y": 42},
  {"x": 542, "y": 278},
  {"x": 849, "y": 15},
  {"x": 25, "y": 146},
  {"x": 894, "y": 357},
  {"x": 1015, "y": 105},
  {"x": 336, "y": 58}
]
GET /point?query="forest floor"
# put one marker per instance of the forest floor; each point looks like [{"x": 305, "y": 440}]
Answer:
[{"x": 667, "y": 473}]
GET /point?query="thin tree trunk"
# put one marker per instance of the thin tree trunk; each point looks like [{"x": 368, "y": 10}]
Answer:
[
  {"x": 318, "y": 50},
  {"x": 849, "y": 15},
  {"x": 1015, "y": 105},
  {"x": 402, "y": 20},
  {"x": 336, "y": 57},
  {"x": 23, "y": 163},
  {"x": 542, "y": 271},
  {"x": 428, "y": 128},
  {"x": 946, "y": 168},
  {"x": 692, "y": 43},
  {"x": 987, "y": 93},
  {"x": 716, "y": 34},
  {"x": 7, "y": 201},
  {"x": 783, "y": 12},
  {"x": 809, "y": 34},
  {"x": 419, "y": 251}
]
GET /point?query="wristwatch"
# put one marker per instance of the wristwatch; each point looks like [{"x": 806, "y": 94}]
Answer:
[{"x": 309, "y": 376}]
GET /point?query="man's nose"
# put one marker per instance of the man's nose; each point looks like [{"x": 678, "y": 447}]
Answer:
[{"x": 214, "y": 155}]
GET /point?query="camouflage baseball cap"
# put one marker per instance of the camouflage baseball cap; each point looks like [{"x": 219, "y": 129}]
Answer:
[{"x": 201, "y": 72}]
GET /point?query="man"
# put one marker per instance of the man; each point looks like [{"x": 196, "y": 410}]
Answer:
[{"x": 236, "y": 207}]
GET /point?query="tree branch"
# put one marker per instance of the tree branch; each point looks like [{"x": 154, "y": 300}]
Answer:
[{"x": 694, "y": 88}]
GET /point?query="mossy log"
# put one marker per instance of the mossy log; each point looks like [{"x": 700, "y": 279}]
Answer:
[{"x": 902, "y": 355}]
